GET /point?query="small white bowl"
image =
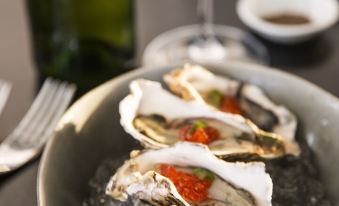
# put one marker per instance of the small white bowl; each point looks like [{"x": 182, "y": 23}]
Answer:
[{"x": 322, "y": 14}]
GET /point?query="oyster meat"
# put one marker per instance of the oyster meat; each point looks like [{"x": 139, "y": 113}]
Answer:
[
  {"x": 160, "y": 119},
  {"x": 189, "y": 174},
  {"x": 193, "y": 82}
]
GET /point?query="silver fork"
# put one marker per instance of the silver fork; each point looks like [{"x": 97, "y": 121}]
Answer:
[
  {"x": 28, "y": 138},
  {"x": 5, "y": 89}
]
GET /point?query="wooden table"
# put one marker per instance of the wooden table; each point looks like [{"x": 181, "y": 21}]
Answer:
[{"x": 317, "y": 61}]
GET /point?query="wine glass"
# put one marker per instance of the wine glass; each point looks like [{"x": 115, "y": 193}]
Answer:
[{"x": 204, "y": 43}]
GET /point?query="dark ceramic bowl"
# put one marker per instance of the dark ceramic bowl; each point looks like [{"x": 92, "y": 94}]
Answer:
[{"x": 90, "y": 131}]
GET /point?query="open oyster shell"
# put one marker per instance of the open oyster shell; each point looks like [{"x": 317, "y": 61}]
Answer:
[
  {"x": 193, "y": 82},
  {"x": 238, "y": 183},
  {"x": 151, "y": 115}
]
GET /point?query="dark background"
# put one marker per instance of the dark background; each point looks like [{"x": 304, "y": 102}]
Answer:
[{"x": 316, "y": 60}]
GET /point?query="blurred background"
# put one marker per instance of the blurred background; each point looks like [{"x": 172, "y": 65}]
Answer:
[{"x": 16, "y": 56}]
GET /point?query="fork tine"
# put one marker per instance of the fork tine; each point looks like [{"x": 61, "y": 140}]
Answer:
[
  {"x": 35, "y": 106},
  {"x": 31, "y": 112},
  {"x": 57, "y": 114},
  {"x": 50, "y": 113},
  {"x": 66, "y": 99},
  {"x": 5, "y": 89},
  {"x": 39, "y": 120}
]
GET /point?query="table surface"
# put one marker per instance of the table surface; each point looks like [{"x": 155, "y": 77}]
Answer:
[{"x": 316, "y": 61}]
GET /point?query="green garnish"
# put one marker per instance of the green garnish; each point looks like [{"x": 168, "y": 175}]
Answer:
[
  {"x": 203, "y": 174},
  {"x": 214, "y": 98},
  {"x": 198, "y": 124}
]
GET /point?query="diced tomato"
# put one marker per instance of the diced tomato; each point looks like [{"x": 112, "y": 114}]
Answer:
[
  {"x": 201, "y": 135},
  {"x": 230, "y": 105},
  {"x": 212, "y": 133},
  {"x": 189, "y": 186}
]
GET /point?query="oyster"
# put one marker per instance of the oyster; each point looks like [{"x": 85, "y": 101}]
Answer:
[
  {"x": 164, "y": 177},
  {"x": 160, "y": 119},
  {"x": 193, "y": 82}
]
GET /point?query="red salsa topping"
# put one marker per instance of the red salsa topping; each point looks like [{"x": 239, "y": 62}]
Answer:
[
  {"x": 230, "y": 105},
  {"x": 199, "y": 132},
  {"x": 190, "y": 186},
  {"x": 224, "y": 102}
]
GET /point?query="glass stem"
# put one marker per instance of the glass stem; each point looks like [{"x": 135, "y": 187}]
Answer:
[
  {"x": 206, "y": 46},
  {"x": 205, "y": 18}
]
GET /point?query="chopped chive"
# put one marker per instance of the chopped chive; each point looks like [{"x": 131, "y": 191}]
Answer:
[
  {"x": 214, "y": 98},
  {"x": 203, "y": 174},
  {"x": 198, "y": 124}
]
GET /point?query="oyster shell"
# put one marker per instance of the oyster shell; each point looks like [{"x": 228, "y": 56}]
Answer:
[
  {"x": 152, "y": 115},
  {"x": 238, "y": 183},
  {"x": 193, "y": 82}
]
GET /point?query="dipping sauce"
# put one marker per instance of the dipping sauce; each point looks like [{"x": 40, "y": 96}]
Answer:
[{"x": 287, "y": 19}]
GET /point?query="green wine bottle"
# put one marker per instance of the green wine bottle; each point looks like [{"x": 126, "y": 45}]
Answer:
[{"x": 82, "y": 41}]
